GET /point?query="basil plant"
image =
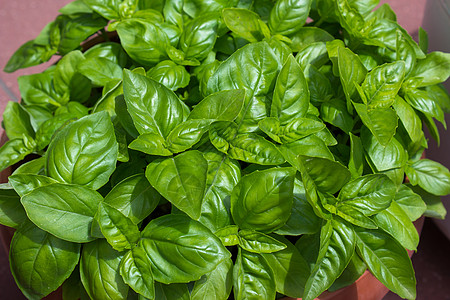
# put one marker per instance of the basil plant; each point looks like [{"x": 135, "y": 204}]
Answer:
[{"x": 221, "y": 149}]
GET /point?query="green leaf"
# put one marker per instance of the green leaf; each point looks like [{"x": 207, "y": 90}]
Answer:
[
  {"x": 435, "y": 208},
  {"x": 302, "y": 220},
  {"x": 177, "y": 291},
  {"x": 262, "y": 200},
  {"x": 40, "y": 262},
  {"x": 424, "y": 102},
  {"x": 257, "y": 242},
  {"x": 223, "y": 175},
  {"x": 153, "y": 107},
  {"x": 388, "y": 261},
  {"x": 186, "y": 135},
  {"x": 254, "y": 68},
  {"x": 396, "y": 222},
  {"x": 220, "y": 106},
  {"x": 228, "y": 235},
  {"x": 308, "y": 146},
  {"x": 99, "y": 270},
  {"x": 109, "y": 9},
  {"x": 216, "y": 284},
  {"x": 384, "y": 157},
  {"x": 86, "y": 144},
  {"x": 134, "y": 197},
  {"x": 47, "y": 130},
  {"x": 314, "y": 54},
  {"x": 17, "y": 121},
  {"x": 100, "y": 70},
  {"x": 354, "y": 216},
  {"x": 12, "y": 152},
  {"x": 291, "y": 93},
  {"x": 28, "y": 55},
  {"x": 169, "y": 74},
  {"x": 410, "y": 202},
  {"x": 288, "y": 16},
  {"x": 176, "y": 180},
  {"x": 253, "y": 278},
  {"x": 383, "y": 83},
  {"x": 120, "y": 232},
  {"x": 435, "y": 68},
  {"x": 199, "y": 36},
  {"x": 246, "y": 24},
  {"x": 356, "y": 162},
  {"x": 151, "y": 143},
  {"x": 351, "y": 72},
  {"x": 291, "y": 271},
  {"x": 67, "y": 80},
  {"x": 355, "y": 269},
  {"x": 35, "y": 167},
  {"x": 409, "y": 119},
  {"x": 382, "y": 122},
  {"x": 144, "y": 42},
  {"x": 308, "y": 35},
  {"x": 38, "y": 89},
  {"x": 369, "y": 194},
  {"x": 135, "y": 269},
  {"x": 253, "y": 148},
  {"x": 335, "y": 112},
  {"x": 12, "y": 213},
  {"x": 26, "y": 183},
  {"x": 55, "y": 204},
  {"x": 334, "y": 255},
  {"x": 429, "y": 175},
  {"x": 181, "y": 249}
]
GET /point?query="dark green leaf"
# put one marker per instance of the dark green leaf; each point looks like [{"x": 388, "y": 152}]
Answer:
[
  {"x": 257, "y": 242},
  {"x": 17, "y": 121},
  {"x": 12, "y": 152},
  {"x": 245, "y": 24},
  {"x": 411, "y": 203},
  {"x": 199, "y": 36},
  {"x": 216, "y": 284},
  {"x": 429, "y": 175},
  {"x": 12, "y": 213}
]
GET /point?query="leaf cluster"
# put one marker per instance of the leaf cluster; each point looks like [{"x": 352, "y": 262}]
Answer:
[{"x": 203, "y": 148}]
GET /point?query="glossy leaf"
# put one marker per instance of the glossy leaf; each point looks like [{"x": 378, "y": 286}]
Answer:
[
  {"x": 17, "y": 121},
  {"x": 134, "y": 197},
  {"x": 12, "y": 213},
  {"x": 308, "y": 35},
  {"x": 429, "y": 175},
  {"x": 169, "y": 74},
  {"x": 186, "y": 134},
  {"x": 181, "y": 249},
  {"x": 245, "y": 24},
  {"x": 220, "y": 106},
  {"x": 291, "y": 93},
  {"x": 290, "y": 269},
  {"x": 150, "y": 143},
  {"x": 288, "y": 16},
  {"x": 12, "y": 152},
  {"x": 198, "y": 37},
  {"x": 40, "y": 262},
  {"x": 89, "y": 143},
  {"x": 257, "y": 242},
  {"x": 228, "y": 235},
  {"x": 369, "y": 194},
  {"x": 153, "y": 107},
  {"x": 252, "y": 277},
  {"x": 356, "y": 162},
  {"x": 410, "y": 202},
  {"x": 100, "y": 70},
  {"x": 351, "y": 72},
  {"x": 433, "y": 69},
  {"x": 26, "y": 183},
  {"x": 99, "y": 270},
  {"x": 409, "y": 119},
  {"x": 176, "y": 181},
  {"x": 135, "y": 269},
  {"x": 388, "y": 261},
  {"x": 216, "y": 284},
  {"x": 335, "y": 112},
  {"x": 74, "y": 206},
  {"x": 262, "y": 200},
  {"x": 120, "y": 232}
]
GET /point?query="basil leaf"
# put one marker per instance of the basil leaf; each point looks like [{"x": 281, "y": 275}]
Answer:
[
  {"x": 252, "y": 277},
  {"x": 351, "y": 72},
  {"x": 17, "y": 121},
  {"x": 291, "y": 93},
  {"x": 335, "y": 112},
  {"x": 262, "y": 200},
  {"x": 228, "y": 235},
  {"x": 308, "y": 146},
  {"x": 169, "y": 74},
  {"x": 199, "y": 36},
  {"x": 429, "y": 175},
  {"x": 106, "y": 8},
  {"x": 356, "y": 162},
  {"x": 99, "y": 270},
  {"x": 171, "y": 291},
  {"x": 86, "y": 144},
  {"x": 334, "y": 256},
  {"x": 308, "y": 35},
  {"x": 369, "y": 194},
  {"x": 355, "y": 269},
  {"x": 246, "y": 24},
  {"x": 26, "y": 183},
  {"x": 144, "y": 42},
  {"x": 290, "y": 269},
  {"x": 396, "y": 222},
  {"x": 433, "y": 69},
  {"x": 38, "y": 89},
  {"x": 12, "y": 213},
  {"x": 100, "y": 70},
  {"x": 253, "y": 148},
  {"x": 220, "y": 106},
  {"x": 257, "y": 78},
  {"x": 181, "y": 247},
  {"x": 410, "y": 202},
  {"x": 120, "y": 232},
  {"x": 287, "y": 16},
  {"x": 257, "y": 242},
  {"x": 153, "y": 107},
  {"x": 176, "y": 181},
  {"x": 424, "y": 102},
  {"x": 28, "y": 55},
  {"x": 388, "y": 261},
  {"x": 40, "y": 262},
  {"x": 151, "y": 143},
  {"x": 215, "y": 285},
  {"x": 12, "y": 152},
  {"x": 435, "y": 207},
  {"x": 134, "y": 197},
  {"x": 186, "y": 134},
  {"x": 66, "y": 204},
  {"x": 409, "y": 119},
  {"x": 135, "y": 269}
]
